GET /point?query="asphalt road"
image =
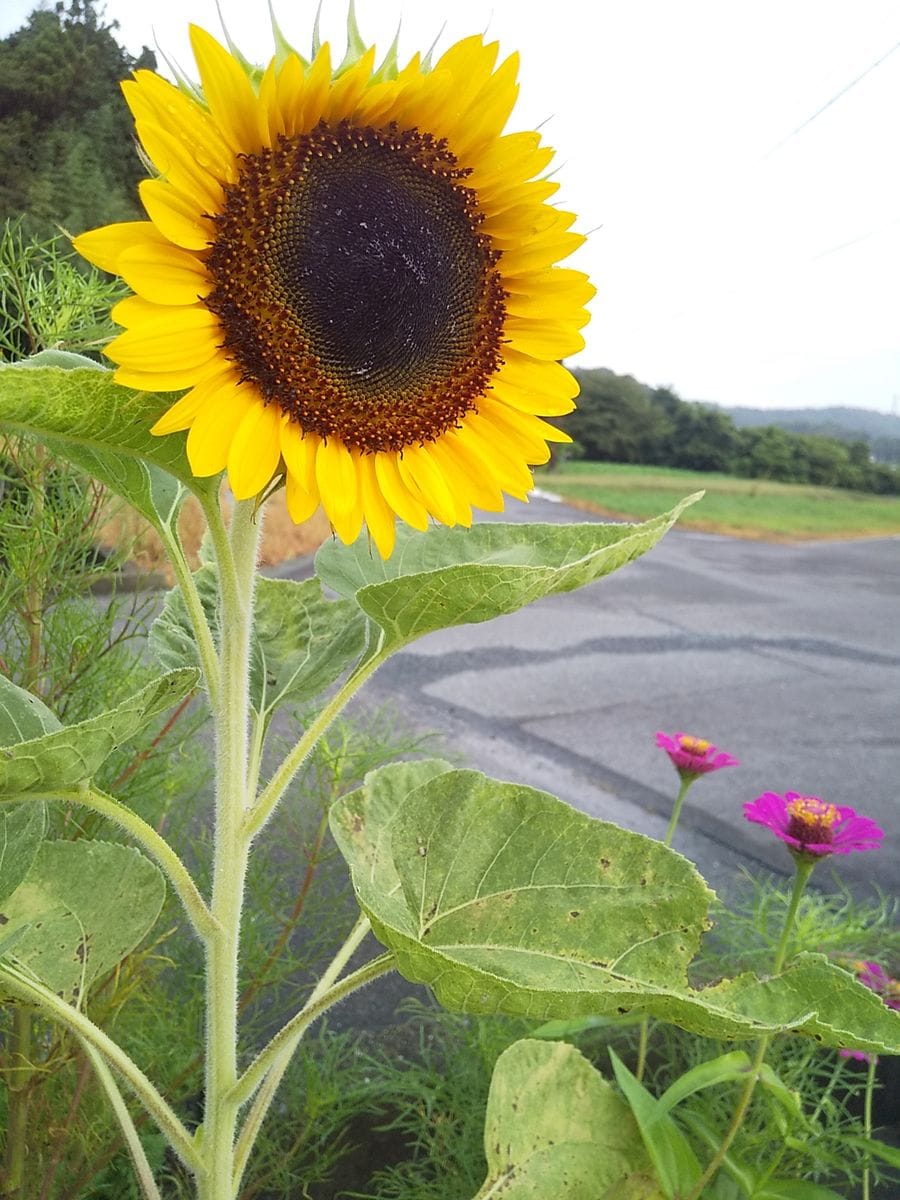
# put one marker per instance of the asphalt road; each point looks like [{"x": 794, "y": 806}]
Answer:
[{"x": 788, "y": 656}]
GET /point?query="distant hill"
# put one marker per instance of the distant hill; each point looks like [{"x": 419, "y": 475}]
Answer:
[{"x": 880, "y": 430}]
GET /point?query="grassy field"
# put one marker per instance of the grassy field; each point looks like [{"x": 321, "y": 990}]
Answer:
[{"x": 752, "y": 508}]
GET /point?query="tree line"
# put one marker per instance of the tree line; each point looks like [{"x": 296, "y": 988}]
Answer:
[
  {"x": 66, "y": 141},
  {"x": 619, "y": 419}
]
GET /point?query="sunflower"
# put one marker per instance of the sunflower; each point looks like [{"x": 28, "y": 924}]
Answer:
[{"x": 353, "y": 271}]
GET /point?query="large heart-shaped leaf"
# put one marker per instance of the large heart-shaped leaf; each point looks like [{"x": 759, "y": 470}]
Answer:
[
  {"x": 451, "y": 577},
  {"x": 73, "y": 404},
  {"x": 82, "y": 907},
  {"x": 504, "y": 899},
  {"x": 555, "y": 1127},
  {"x": 301, "y": 642},
  {"x": 70, "y": 755}
]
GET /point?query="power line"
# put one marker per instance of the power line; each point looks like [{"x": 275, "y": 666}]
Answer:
[{"x": 828, "y": 103}]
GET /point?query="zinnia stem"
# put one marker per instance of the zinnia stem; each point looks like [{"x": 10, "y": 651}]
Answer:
[
  {"x": 686, "y": 781},
  {"x": 867, "y": 1120},
  {"x": 804, "y": 868},
  {"x": 644, "y": 1037},
  {"x": 804, "y": 865}
]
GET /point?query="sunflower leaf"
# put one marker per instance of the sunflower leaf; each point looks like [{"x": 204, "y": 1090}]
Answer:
[
  {"x": 503, "y": 899},
  {"x": 555, "y": 1127},
  {"x": 22, "y": 828},
  {"x": 81, "y": 908},
  {"x": 301, "y": 642},
  {"x": 73, "y": 405},
  {"x": 449, "y": 577},
  {"x": 304, "y": 641},
  {"x": 22, "y": 715},
  {"x": 69, "y": 756}
]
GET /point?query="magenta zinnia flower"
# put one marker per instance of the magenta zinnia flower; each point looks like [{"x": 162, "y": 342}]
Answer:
[
  {"x": 809, "y": 826},
  {"x": 692, "y": 756}
]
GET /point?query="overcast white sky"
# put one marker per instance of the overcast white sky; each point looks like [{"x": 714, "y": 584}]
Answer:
[{"x": 730, "y": 263}]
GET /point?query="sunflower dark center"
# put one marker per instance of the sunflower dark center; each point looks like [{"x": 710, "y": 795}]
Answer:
[{"x": 354, "y": 287}]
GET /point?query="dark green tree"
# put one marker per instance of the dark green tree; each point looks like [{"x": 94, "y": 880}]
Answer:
[{"x": 66, "y": 145}]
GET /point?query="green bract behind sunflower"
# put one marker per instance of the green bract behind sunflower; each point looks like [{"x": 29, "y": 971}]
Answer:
[{"x": 353, "y": 273}]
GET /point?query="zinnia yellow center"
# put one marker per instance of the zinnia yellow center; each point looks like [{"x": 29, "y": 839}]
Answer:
[
  {"x": 693, "y": 745},
  {"x": 811, "y": 820},
  {"x": 353, "y": 286}
]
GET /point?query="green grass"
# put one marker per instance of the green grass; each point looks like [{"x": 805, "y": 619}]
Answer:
[{"x": 753, "y": 508}]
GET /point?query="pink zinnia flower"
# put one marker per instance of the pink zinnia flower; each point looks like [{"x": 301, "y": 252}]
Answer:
[
  {"x": 809, "y": 826},
  {"x": 692, "y": 756}
]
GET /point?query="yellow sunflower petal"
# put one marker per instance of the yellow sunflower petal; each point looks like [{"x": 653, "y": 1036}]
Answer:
[
  {"x": 407, "y": 507},
  {"x": 227, "y": 91},
  {"x": 179, "y": 168},
  {"x": 466, "y": 474},
  {"x": 508, "y": 469},
  {"x": 540, "y": 295},
  {"x": 418, "y": 470},
  {"x": 521, "y": 425},
  {"x": 543, "y": 339},
  {"x": 540, "y": 254},
  {"x": 489, "y": 111},
  {"x": 337, "y": 482},
  {"x": 102, "y": 247},
  {"x": 163, "y": 273},
  {"x": 182, "y": 413},
  {"x": 182, "y": 337},
  {"x": 524, "y": 372},
  {"x": 314, "y": 93},
  {"x": 210, "y": 437},
  {"x": 530, "y": 401},
  {"x": 255, "y": 450},
  {"x": 344, "y": 94},
  {"x": 380, "y": 519},
  {"x": 166, "y": 381},
  {"x": 516, "y": 156},
  {"x": 299, "y": 453},
  {"x": 300, "y": 504},
  {"x": 174, "y": 216},
  {"x": 152, "y": 98}
]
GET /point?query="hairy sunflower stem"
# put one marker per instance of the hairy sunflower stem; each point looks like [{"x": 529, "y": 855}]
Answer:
[
  {"x": 272, "y": 1081},
  {"x": 126, "y": 1123},
  {"x": 804, "y": 865},
  {"x": 271, "y": 794},
  {"x": 236, "y": 554},
  {"x": 154, "y": 843},
  {"x": 33, "y": 992}
]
